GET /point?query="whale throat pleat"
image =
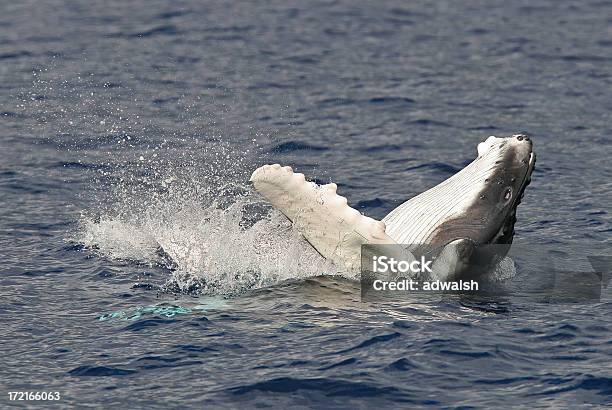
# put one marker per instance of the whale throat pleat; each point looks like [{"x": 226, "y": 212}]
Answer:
[{"x": 416, "y": 220}]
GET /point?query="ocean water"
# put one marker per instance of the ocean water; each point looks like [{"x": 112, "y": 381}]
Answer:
[{"x": 138, "y": 269}]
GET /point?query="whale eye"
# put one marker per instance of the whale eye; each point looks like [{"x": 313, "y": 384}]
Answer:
[{"x": 507, "y": 194}]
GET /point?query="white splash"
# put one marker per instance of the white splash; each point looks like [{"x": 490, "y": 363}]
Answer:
[
  {"x": 505, "y": 270},
  {"x": 212, "y": 248}
]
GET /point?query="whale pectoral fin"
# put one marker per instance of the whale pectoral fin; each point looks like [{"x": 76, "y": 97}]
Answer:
[
  {"x": 323, "y": 217},
  {"x": 453, "y": 260}
]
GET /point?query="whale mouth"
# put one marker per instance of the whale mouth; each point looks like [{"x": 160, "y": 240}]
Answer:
[{"x": 526, "y": 178}]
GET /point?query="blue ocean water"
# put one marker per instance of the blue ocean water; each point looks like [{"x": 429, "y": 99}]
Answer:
[{"x": 128, "y": 131}]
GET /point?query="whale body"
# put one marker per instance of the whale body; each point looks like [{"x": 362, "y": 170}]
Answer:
[{"x": 454, "y": 221}]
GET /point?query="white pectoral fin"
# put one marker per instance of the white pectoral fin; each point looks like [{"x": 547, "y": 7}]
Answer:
[{"x": 323, "y": 217}]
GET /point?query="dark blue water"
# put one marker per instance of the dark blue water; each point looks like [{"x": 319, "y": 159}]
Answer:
[{"x": 129, "y": 125}]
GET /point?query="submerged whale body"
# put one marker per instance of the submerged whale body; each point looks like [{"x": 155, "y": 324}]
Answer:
[{"x": 457, "y": 221}]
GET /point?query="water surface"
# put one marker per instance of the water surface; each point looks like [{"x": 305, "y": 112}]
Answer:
[{"x": 124, "y": 125}]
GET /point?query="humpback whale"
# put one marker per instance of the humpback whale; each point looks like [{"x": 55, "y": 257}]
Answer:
[{"x": 455, "y": 221}]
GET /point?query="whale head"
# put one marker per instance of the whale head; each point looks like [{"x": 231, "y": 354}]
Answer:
[
  {"x": 468, "y": 220},
  {"x": 478, "y": 203},
  {"x": 495, "y": 183}
]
